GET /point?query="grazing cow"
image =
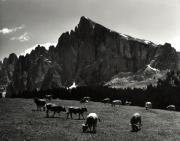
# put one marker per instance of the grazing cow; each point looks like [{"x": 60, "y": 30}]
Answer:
[
  {"x": 3, "y": 94},
  {"x": 171, "y": 107},
  {"x": 83, "y": 101},
  {"x": 135, "y": 122},
  {"x": 40, "y": 103},
  {"x": 148, "y": 105},
  {"x": 128, "y": 103},
  {"x": 91, "y": 122},
  {"x": 54, "y": 108},
  {"x": 106, "y": 100},
  {"x": 116, "y": 102},
  {"x": 87, "y": 98},
  {"x": 48, "y": 97},
  {"x": 76, "y": 110}
]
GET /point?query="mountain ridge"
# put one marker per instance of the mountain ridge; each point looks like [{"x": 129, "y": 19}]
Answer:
[{"x": 91, "y": 54}]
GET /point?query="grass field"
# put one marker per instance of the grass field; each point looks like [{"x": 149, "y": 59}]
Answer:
[{"x": 19, "y": 122}]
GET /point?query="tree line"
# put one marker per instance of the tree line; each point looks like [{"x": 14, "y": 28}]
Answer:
[{"x": 167, "y": 92}]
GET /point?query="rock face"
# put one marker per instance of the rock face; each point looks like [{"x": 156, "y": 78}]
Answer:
[
  {"x": 178, "y": 54},
  {"x": 92, "y": 54},
  {"x": 89, "y": 55}
]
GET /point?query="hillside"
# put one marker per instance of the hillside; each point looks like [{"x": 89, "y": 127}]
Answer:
[{"x": 19, "y": 122}]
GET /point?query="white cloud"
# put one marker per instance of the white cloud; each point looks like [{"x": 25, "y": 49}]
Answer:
[
  {"x": 22, "y": 38},
  {"x": 46, "y": 45},
  {"x": 175, "y": 42},
  {"x": 10, "y": 30}
]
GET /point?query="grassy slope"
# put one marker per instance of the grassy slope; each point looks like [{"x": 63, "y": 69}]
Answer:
[{"x": 19, "y": 122}]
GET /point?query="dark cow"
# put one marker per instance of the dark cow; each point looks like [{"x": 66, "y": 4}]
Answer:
[
  {"x": 54, "y": 108},
  {"x": 91, "y": 122},
  {"x": 85, "y": 99},
  {"x": 136, "y": 122},
  {"x": 40, "y": 103},
  {"x": 106, "y": 100},
  {"x": 148, "y": 105},
  {"x": 116, "y": 102},
  {"x": 48, "y": 97},
  {"x": 76, "y": 110}
]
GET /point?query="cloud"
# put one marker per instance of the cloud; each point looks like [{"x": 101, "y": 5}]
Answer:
[
  {"x": 46, "y": 45},
  {"x": 22, "y": 38},
  {"x": 10, "y": 30}
]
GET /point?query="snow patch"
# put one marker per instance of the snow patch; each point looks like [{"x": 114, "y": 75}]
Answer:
[
  {"x": 147, "y": 42},
  {"x": 73, "y": 86},
  {"x": 125, "y": 36},
  {"x": 154, "y": 69},
  {"x": 47, "y": 60}
]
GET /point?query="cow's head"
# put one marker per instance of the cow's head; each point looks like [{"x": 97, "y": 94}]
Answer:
[{"x": 84, "y": 127}]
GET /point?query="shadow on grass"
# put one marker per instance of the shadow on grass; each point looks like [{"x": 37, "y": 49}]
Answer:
[
  {"x": 56, "y": 117},
  {"x": 75, "y": 119},
  {"x": 89, "y": 132}
]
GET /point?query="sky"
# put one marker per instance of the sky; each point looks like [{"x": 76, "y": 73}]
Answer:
[{"x": 26, "y": 23}]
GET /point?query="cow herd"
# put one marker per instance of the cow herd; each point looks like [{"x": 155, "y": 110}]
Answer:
[{"x": 92, "y": 118}]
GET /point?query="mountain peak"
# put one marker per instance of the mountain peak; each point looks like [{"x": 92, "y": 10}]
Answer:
[{"x": 86, "y": 22}]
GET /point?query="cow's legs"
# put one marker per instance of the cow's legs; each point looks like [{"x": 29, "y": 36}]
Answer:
[
  {"x": 94, "y": 128},
  {"x": 71, "y": 115},
  {"x": 54, "y": 114},
  {"x": 67, "y": 115},
  {"x": 82, "y": 115},
  {"x": 79, "y": 115},
  {"x": 90, "y": 128},
  {"x": 47, "y": 113}
]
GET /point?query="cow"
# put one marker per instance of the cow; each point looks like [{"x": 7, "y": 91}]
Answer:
[
  {"x": 106, "y": 100},
  {"x": 171, "y": 107},
  {"x": 48, "y": 97},
  {"x": 135, "y": 122},
  {"x": 128, "y": 103},
  {"x": 148, "y": 105},
  {"x": 40, "y": 103},
  {"x": 3, "y": 95},
  {"x": 91, "y": 122},
  {"x": 85, "y": 99},
  {"x": 116, "y": 102},
  {"x": 76, "y": 110},
  {"x": 54, "y": 108}
]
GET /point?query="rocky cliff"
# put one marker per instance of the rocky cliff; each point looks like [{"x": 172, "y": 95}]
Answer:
[
  {"x": 92, "y": 54},
  {"x": 89, "y": 55}
]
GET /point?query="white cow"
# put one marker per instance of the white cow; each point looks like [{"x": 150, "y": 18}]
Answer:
[
  {"x": 3, "y": 94},
  {"x": 171, "y": 107},
  {"x": 148, "y": 105},
  {"x": 116, "y": 102},
  {"x": 128, "y": 103},
  {"x": 91, "y": 122}
]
